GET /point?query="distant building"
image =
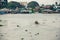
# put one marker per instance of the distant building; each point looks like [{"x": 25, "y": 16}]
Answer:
[
  {"x": 47, "y": 6},
  {"x": 23, "y": 3},
  {"x": 3, "y": 3}
]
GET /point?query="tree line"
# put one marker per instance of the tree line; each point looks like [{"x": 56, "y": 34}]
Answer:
[{"x": 32, "y": 4}]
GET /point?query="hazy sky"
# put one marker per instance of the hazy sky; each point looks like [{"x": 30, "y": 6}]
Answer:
[{"x": 39, "y": 1}]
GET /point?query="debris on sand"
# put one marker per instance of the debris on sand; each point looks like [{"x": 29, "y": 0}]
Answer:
[
  {"x": 1, "y": 35},
  {"x": 26, "y": 30},
  {"x": 22, "y": 38},
  {"x": 36, "y": 34},
  {"x": 0, "y": 20},
  {"x": 36, "y": 22},
  {"x": 1, "y": 25},
  {"x": 53, "y": 21},
  {"x": 17, "y": 25}
]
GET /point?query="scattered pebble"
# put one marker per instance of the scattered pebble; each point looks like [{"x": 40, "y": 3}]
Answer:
[
  {"x": 36, "y": 22},
  {"x": 53, "y": 21},
  {"x": 1, "y": 25},
  {"x": 37, "y": 34},
  {"x": 22, "y": 38},
  {"x": 29, "y": 32},
  {"x": 56, "y": 35},
  {"x": 1, "y": 35},
  {"x": 26, "y": 30},
  {"x": 0, "y": 20},
  {"x": 17, "y": 25},
  {"x": 30, "y": 35}
]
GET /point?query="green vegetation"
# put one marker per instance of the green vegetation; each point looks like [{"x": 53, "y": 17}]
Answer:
[
  {"x": 13, "y": 5},
  {"x": 32, "y": 4},
  {"x": 31, "y": 7},
  {"x": 3, "y": 4}
]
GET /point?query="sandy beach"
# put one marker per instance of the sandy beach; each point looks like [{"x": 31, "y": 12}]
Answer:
[{"x": 23, "y": 27}]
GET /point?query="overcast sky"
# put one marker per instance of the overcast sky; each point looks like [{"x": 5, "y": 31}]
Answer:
[{"x": 39, "y": 1}]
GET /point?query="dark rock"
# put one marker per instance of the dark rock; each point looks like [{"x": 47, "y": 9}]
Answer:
[
  {"x": 36, "y": 22},
  {"x": 53, "y": 21},
  {"x": 29, "y": 32},
  {"x": 37, "y": 34},
  {"x": 17, "y": 25},
  {"x": 22, "y": 38},
  {"x": 26, "y": 30},
  {"x": 0, "y": 20},
  {"x": 56, "y": 35},
  {"x": 1, "y": 35},
  {"x": 1, "y": 25}
]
